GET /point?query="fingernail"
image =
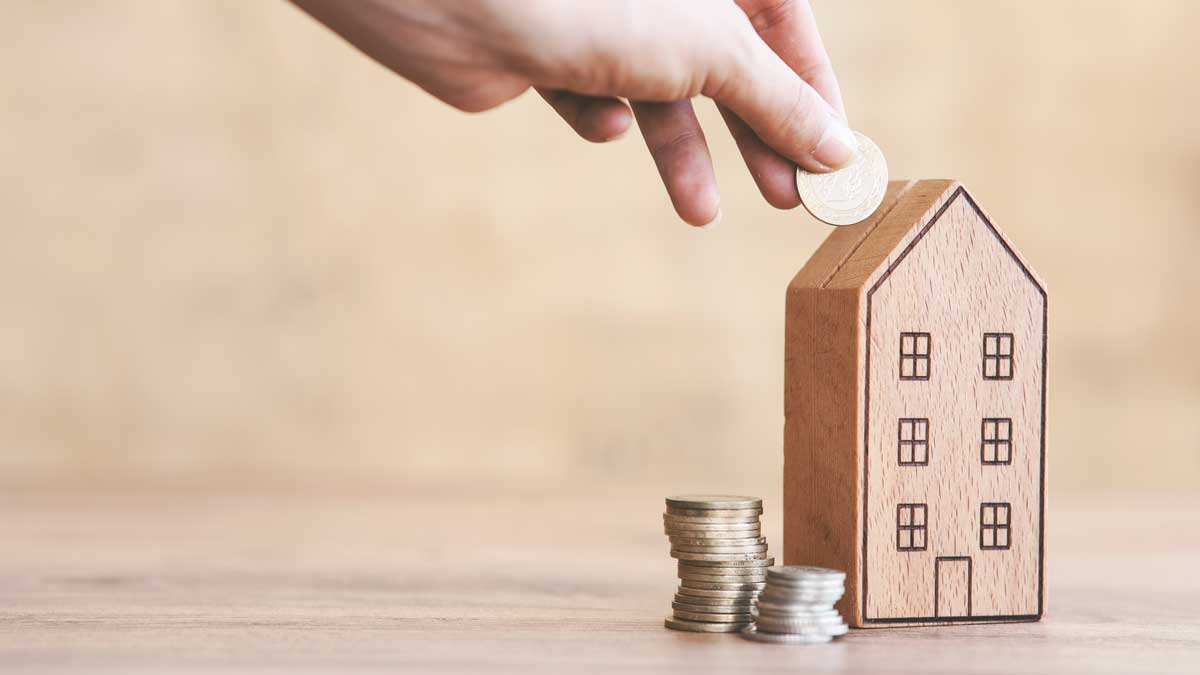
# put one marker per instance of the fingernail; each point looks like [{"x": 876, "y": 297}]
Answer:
[
  {"x": 837, "y": 147},
  {"x": 712, "y": 224}
]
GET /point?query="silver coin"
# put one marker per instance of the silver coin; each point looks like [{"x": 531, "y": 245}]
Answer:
[
  {"x": 808, "y": 585},
  {"x": 744, "y": 602},
  {"x": 723, "y": 595},
  {"x": 814, "y": 601},
  {"x": 839, "y": 629},
  {"x": 785, "y": 589},
  {"x": 709, "y": 541},
  {"x": 797, "y": 609},
  {"x": 715, "y": 617},
  {"x": 772, "y": 625},
  {"x": 720, "y": 586},
  {"x": 718, "y": 557},
  {"x": 708, "y": 520},
  {"x": 758, "y": 562},
  {"x": 753, "y": 548},
  {"x": 702, "y": 626},
  {"x": 798, "y": 612},
  {"x": 752, "y": 633},
  {"x": 803, "y": 594},
  {"x": 713, "y": 502},
  {"x": 807, "y": 573},
  {"x": 715, "y": 513},
  {"x": 850, "y": 194}
]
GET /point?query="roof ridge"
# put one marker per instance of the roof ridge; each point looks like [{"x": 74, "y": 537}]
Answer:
[{"x": 867, "y": 234}]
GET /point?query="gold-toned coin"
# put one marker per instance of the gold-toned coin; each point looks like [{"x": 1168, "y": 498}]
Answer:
[
  {"x": 746, "y": 602},
  {"x": 686, "y": 569},
  {"x": 687, "y": 542},
  {"x": 850, "y": 194},
  {"x": 753, "y": 526},
  {"x": 702, "y": 626},
  {"x": 754, "y": 562},
  {"x": 751, "y": 548},
  {"x": 712, "y": 534},
  {"x": 708, "y": 502},
  {"x": 711, "y": 609},
  {"x": 723, "y": 585},
  {"x": 715, "y": 513},
  {"x": 718, "y": 557},
  {"x": 727, "y": 595},
  {"x": 715, "y": 542},
  {"x": 705, "y": 520},
  {"x": 723, "y": 578},
  {"x": 714, "y": 617}
]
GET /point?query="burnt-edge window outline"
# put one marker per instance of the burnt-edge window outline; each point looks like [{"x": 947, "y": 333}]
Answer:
[
  {"x": 912, "y": 522},
  {"x": 995, "y": 526},
  {"x": 995, "y": 447},
  {"x": 915, "y": 357},
  {"x": 998, "y": 353},
  {"x": 917, "y": 443}
]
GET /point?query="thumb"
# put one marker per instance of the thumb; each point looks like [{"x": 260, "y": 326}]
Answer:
[{"x": 784, "y": 110}]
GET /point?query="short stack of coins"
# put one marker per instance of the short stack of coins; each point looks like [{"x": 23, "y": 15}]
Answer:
[
  {"x": 723, "y": 561},
  {"x": 796, "y": 606}
]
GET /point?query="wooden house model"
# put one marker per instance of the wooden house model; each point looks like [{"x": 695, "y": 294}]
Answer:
[{"x": 915, "y": 408}]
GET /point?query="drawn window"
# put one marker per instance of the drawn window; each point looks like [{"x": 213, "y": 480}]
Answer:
[
  {"x": 914, "y": 356},
  {"x": 910, "y": 527},
  {"x": 997, "y": 356},
  {"x": 996, "y": 441},
  {"x": 994, "y": 526},
  {"x": 912, "y": 445}
]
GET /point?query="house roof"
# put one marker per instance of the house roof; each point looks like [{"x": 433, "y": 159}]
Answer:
[{"x": 857, "y": 256}]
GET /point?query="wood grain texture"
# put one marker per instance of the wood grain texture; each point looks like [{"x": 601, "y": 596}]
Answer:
[
  {"x": 520, "y": 579},
  {"x": 915, "y": 415}
]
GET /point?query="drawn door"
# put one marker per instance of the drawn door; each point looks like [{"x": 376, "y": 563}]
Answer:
[{"x": 952, "y": 586}]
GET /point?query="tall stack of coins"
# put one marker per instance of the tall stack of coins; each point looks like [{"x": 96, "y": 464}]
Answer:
[
  {"x": 723, "y": 561},
  {"x": 796, "y": 607}
]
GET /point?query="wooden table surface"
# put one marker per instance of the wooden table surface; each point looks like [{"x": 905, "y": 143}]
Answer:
[{"x": 563, "y": 580}]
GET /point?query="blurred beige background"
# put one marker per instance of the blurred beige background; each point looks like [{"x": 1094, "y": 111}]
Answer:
[{"x": 236, "y": 252}]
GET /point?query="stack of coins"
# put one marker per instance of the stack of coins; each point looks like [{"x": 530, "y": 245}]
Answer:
[
  {"x": 796, "y": 606},
  {"x": 723, "y": 561}
]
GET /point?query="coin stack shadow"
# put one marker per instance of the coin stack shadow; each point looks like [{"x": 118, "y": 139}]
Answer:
[
  {"x": 796, "y": 607},
  {"x": 723, "y": 561}
]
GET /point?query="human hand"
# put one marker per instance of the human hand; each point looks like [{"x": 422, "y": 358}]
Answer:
[{"x": 761, "y": 61}]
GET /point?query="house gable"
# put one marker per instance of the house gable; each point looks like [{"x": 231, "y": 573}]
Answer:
[{"x": 951, "y": 278}]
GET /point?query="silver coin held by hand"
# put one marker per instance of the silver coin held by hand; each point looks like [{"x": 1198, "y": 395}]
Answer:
[{"x": 850, "y": 194}]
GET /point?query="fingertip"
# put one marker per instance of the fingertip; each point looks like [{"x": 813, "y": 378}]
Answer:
[
  {"x": 703, "y": 212},
  {"x": 776, "y": 179},
  {"x": 783, "y": 200},
  {"x": 836, "y": 148},
  {"x": 602, "y": 120},
  {"x": 712, "y": 224}
]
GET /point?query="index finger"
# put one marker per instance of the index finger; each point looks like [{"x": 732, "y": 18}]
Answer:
[{"x": 790, "y": 30}]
